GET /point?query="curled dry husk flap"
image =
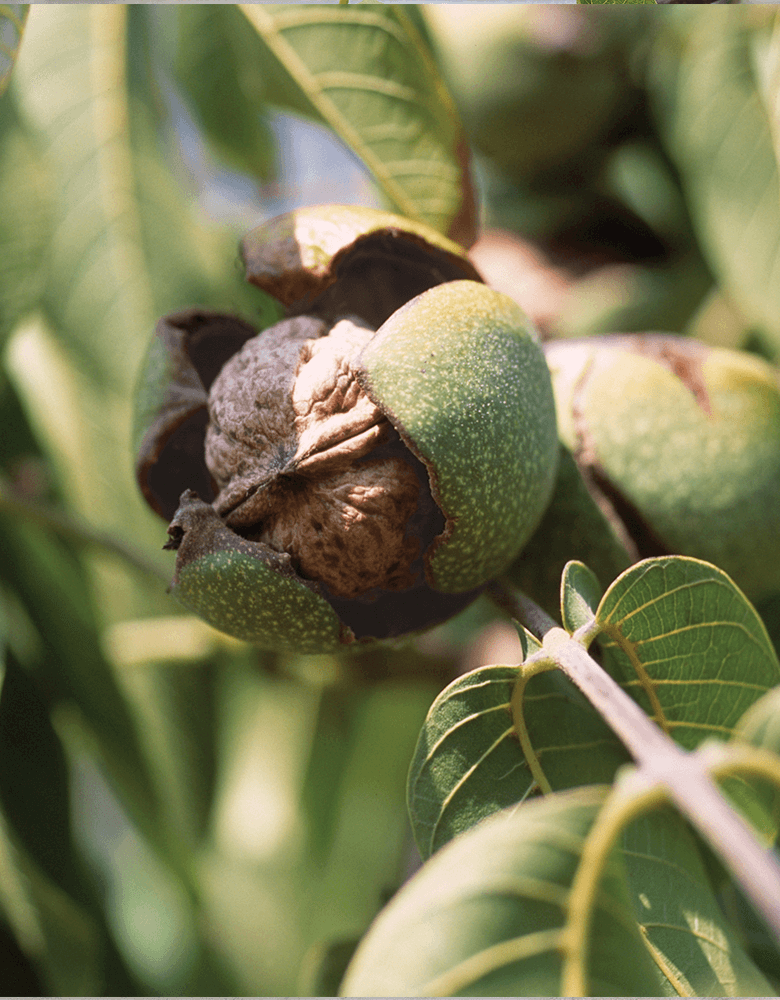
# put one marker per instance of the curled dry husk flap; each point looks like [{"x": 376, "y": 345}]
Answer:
[{"x": 342, "y": 260}]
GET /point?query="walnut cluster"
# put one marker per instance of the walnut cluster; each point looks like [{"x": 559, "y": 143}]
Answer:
[{"x": 307, "y": 463}]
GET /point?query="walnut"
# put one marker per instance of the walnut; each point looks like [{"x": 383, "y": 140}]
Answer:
[{"x": 307, "y": 463}]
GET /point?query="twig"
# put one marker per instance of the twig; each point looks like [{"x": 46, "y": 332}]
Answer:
[{"x": 660, "y": 761}]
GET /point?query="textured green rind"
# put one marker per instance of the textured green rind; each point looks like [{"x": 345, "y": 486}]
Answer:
[
  {"x": 246, "y": 598},
  {"x": 706, "y": 483},
  {"x": 463, "y": 379},
  {"x": 244, "y": 588}
]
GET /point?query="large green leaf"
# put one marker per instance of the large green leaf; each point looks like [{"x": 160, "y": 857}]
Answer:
[
  {"x": 469, "y": 762},
  {"x": 715, "y": 114},
  {"x": 687, "y": 644},
  {"x": 45, "y": 894},
  {"x": 695, "y": 949},
  {"x": 368, "y": 74},
  {"x": 218, "y": 75},
  {"x": 25, "y": 218},
  {"x": 484, "y": 916},
  {"x": 51, "y": 585},
  {"x": 126, "y": 245},
  {"x": 12, "y": 18}
]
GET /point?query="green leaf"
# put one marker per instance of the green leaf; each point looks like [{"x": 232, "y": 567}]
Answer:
[
  {"x": 616, "y": 1},
  {"x": 469, "y": 762},
  {"x": 687, "y": 645},
  {"x": 755, "y": 794},
  {"x": 12, "y": 18},
  {"x": 716, "y": 118},
  {"x": 215, "y": 68},
  {"x": 484, "y": 916},
  {"x": 34, "y": 778},
  {"x": 580, "y": 596},
  {"x": 25, "y": 218},
  {"x": 695, "y": 949},
  {"x": 760, "y": 725},
  {"x": 175, "y": 705},
  {"x": 126, "y": 244},
  {"x": 45, "y": 893},
  {"x": 50, "y": 583},
  {"x": 369, "y": 75}
]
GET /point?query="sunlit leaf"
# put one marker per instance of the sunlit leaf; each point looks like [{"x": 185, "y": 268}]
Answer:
[
  {"x": 758, "y": 797},
  {"x": 12, "y": 18},
  {"x": 717, "y": 121},
  {"x": 369, "y": 75},
  {"x": 484, "y": 916},
  {"x": 126, "y": 245},
  {"x": 469, "y": 762},
  {"x": 25, "y": 218},
  {"x": 686, "y": 643}
]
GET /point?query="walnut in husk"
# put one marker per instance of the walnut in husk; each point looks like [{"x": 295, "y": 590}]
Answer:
[{"x": 364, "y": 466}]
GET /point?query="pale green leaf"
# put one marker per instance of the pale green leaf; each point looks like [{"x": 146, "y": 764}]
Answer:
[
  {"x": 25, "y": 218},
  {"x": 755, "y": 793},
  {"x": 222, "y": 80},
  {"x": 716, "y": 115},
  {"x": 12, "y": 18},
  {"x": 126, "y": 244},
  {"x": 369, "y": 75},
  {"x": 760, "y": 725},
  {"x": 484, "y": 916},
  {"x": 687, "y": 645}
]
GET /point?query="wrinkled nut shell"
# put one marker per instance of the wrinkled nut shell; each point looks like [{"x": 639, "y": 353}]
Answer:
[{"x": 290, "y": 443}]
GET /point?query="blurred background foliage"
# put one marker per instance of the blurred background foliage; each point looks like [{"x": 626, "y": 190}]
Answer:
[{"x": 181, "y": 813}]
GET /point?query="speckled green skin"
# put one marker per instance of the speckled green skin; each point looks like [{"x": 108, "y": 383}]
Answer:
[
  {"x": 706, "y": 483},
  {"x": 245, "y": 589},
  {"x": 463, "y": 379}
]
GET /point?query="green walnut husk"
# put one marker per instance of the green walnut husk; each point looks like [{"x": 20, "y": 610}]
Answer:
[
  {"x": 362, "y": 468},
  {"x": 679, "y": 443}
]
